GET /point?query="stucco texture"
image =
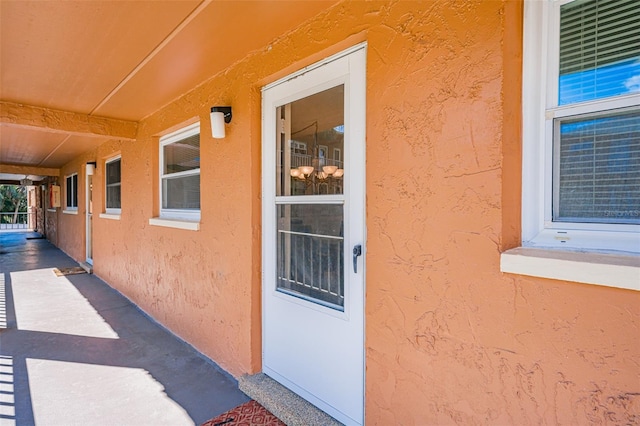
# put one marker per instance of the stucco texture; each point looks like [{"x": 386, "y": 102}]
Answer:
[{"x": 449, "y": 339}]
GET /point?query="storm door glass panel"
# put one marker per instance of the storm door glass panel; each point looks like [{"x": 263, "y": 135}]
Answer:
[
  {"x": 311, "y": 252},
  {"x": 309, "y": 145},
  {"x": 309, "y": 198}
]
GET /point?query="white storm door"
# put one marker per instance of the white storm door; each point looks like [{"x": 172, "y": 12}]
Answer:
[
  {"x": 313, "y": 220},
  {"x": 89, "y": 219}
]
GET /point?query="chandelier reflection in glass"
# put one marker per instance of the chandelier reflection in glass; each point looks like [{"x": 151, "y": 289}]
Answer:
[
  {"x": 327, "y": 180},
  {"x": 310, "y": 145},
  {"x": 315, "y": 160}
]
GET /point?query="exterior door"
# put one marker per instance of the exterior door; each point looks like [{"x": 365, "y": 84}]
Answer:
[
  {"x": 89, "y": 242},
  {"x": 314, "y": 233}
]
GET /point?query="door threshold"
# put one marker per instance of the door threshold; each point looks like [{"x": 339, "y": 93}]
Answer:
[
  {"x": 87, "y": 267},
  {"x": 289, "y": 407}
]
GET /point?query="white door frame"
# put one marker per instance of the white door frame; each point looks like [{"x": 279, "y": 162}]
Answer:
[{"x": 352, "y": 71}]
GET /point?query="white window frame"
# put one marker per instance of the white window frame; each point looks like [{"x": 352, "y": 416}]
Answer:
[
  {"x": 74, "y": 191},
  {"x": 540, "y": 88},
  {"x": 189, "y": 215},
  {"x": 112, "y": 210}
]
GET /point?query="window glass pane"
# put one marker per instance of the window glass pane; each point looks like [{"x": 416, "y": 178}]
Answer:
[
  {"x": 113, "y": 172},
  {"x": 310, "y": 253},
  {"x": 599, "y": 50},
  {"x": 181, "y": 192},
  {"x": 69, "y": 191},
  {"x": 310, "y": 146},
  {"x": 182, "y": 155},
  {"x": 598, "y": 174},
  {"x": 113, "y": 196},
  {"x": 74, "y": 191}
]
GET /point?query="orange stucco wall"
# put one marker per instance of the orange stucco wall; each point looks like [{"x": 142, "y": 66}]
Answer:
[{"x": 449, "y": 339}]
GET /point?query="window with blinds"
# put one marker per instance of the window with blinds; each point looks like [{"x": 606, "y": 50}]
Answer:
[
  {"x": 113, "y": 185},
  {"x": 599, "y": 49},
  {"x": 596, "y": 155},
  {"x": 72, "y": 191},
  {"x": 180, "y": 173}
]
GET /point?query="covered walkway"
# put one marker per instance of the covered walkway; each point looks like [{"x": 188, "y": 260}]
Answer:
[{"x": 75, "y": 351}]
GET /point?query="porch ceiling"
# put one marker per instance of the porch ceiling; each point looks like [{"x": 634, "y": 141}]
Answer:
[{"x": 75, "y": 74}]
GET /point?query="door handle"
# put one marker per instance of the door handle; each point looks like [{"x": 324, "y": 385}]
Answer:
[{"x": 357, "y": 251}]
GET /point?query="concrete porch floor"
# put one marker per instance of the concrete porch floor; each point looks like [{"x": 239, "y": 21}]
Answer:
[{"x": 73, "y": 351}]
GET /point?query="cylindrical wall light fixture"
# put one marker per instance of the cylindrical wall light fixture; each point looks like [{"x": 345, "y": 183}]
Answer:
[
  {"x": 91, "y": 167},
  {"x": 219, "y": 116}
]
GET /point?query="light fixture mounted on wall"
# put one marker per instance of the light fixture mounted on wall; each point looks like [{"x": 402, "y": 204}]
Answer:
[
  {"x": 219, "y": 116},
  {"x": 91, "y": 167}
]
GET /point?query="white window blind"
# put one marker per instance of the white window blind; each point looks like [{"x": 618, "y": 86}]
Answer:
[
  {"x": 182, "y": 155},
  {"x": 181, "y": 192},
  {"x": 598, "y": 168},
  {"x": 599, "y": 49}
]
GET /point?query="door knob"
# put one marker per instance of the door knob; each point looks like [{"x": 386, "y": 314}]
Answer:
[{"x": 357, "y": 251}]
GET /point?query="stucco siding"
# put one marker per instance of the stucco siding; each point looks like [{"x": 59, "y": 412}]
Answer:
[{"x": 449, "y": 338}]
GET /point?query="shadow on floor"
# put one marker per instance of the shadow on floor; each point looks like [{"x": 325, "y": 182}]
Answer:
[{"x": 74, "y": 349}]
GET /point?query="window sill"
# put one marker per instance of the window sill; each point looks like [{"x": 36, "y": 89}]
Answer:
[
  {"x": 109, "y": 216},
  {"x": 174, "y": 223},
  {"x": 70, "y": 211},
  {"x": 611, "y": 270}
]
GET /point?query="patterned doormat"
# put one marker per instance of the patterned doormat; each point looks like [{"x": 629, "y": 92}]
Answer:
[
  {"x": 68, "y": 271},
  {"x": 248, "y": 414}
]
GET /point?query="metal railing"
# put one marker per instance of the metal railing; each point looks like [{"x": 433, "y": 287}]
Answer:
[
  {"x": 310, "y": 266},
  {"x": 308, "y": 160},
  {"x": 19, "y": 220}
]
